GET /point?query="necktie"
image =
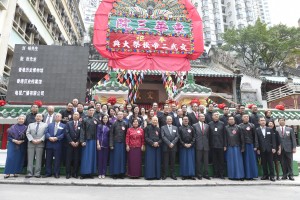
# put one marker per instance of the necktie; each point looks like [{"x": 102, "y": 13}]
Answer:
[
  {"x": 75, "y": 125},
  {"x": 170, "y": 129},
  {"x": 48, "y": 120},
  {"x": 55, "y": 129},
  {"x": 202, "y": 128},
  {"x": 37, "y": 128}
]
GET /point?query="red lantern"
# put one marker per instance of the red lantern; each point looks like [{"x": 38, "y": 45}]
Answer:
[
  {"x": 280, "y": 107},
  {"x": 38, "y": 103},
  {"x": 2, "y": 103},
  {"x": 112, "y": 100}
]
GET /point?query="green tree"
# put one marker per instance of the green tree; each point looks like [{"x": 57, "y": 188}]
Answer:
[{"x": 262, "y": 47}]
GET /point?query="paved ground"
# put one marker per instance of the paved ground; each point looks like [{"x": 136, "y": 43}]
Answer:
[
  {"x": 108, "y": 182},
  {"x": 43, "y": 192}
]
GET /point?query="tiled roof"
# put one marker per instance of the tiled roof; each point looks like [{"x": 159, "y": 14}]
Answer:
[
  {"x": 112, "y": 84},
  {"x": 191, "y": 86},
  {"x": 275, "y": 79},
  {"x": 210, "y": 71}
]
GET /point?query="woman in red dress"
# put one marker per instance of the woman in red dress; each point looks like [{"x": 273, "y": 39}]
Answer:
[{"x": 134, "y": 147}]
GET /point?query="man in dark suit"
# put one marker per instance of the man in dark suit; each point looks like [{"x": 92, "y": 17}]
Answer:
[
  {"x": 162, "y": 118},
  {"x": 287, "y": 148},
  {"x": 178, "y": 119},
  {"x": 54, "y": 136},
  {"x": 72, "y": 135},
  {"x": 225, "y": 116},
  {"x": 202, "y": 147},
  {"x": 254, "y": 117},
  {"x": 49, "y": 116},
  {"x": 209, "y": 113},
  {"x": 217, "y": 140},
  {"x": 266, "y": 148},
  {"x": 170, "y": 138},
  {"x": 156, "y": 110},
  {"x": 194, "y": 115}
]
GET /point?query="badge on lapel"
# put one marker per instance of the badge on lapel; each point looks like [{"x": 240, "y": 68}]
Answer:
[
  {"x": 234, "y": 132},
  {"x": 248, "y": 128},
  {"x": 123, "y": 128},
  {"x": 189, "y": 130},
  {"x": 95, "y": 122}
]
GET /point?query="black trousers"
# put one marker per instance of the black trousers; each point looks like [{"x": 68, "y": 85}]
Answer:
[
  {"x": 201, "y": 163},
  {"x": 169, "y": 157},
  {"x": 218, "y": 161},
  {"x": 72, "y": 154},
  {"x": 287, "y": 163},
  {"x": 267, "y": 163}
]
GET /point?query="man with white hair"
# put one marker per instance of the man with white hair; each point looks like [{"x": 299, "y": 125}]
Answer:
[
  {"x": 36, "y": 136},
  {"x": 50, "y": 115},
  {"x": 170, "y": 136}
]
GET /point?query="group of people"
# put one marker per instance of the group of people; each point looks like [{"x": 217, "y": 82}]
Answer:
[{"x": 117, "y": 136}]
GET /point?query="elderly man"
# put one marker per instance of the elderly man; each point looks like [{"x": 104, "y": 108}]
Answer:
[
  {"x": 170, "y": 136},
  {"x": 54, "y": 136},
  {"x": 36, "y": 136},
  {"x": 50, "y": 116},
  {"x": 75, "y": 104}
]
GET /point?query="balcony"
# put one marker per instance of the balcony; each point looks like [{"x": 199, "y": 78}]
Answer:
[{"x": 284, "y": 91}]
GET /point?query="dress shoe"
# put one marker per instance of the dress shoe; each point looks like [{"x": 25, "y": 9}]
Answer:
[
  {"x": 68, "y": 176},
  {"x": 272, "y": 179},
  {"x": 206, "y": 177},
  {"x": 47, "y": 176},
  {"x": 163, "y": 177},
  {"x": 264, "y": 178},
  {"x": 173, "y": 177},
  {"x": 75, "y": 176},
  {"x": 291, "y": 178},
  {"x": 192, "y": 178},
  {"x": 114, "y": 177},
  {"x": 199, "y": 177},
  {"x": 183, "y": 178},
  {"x": 56, "y": 176},
  {"x": 284, "y": 178},
  {"x": 28, "y": 176},
  {"x": 277, "y": 178},
  {"x": 38, "y": 176}
]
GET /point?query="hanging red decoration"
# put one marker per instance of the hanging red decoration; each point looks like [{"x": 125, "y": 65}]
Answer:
[
  {"x": 145, "y": 35},
  {"x": 221, "y": 106},
  {"x": 195, "y": 101},
  {"x": 250, "y": 106},
  {"x": 112, "y": 100},
  {"x": 280, "y": 107},
  {"x": 38, "y": 103},
  {"x": 2, "y": 103}
]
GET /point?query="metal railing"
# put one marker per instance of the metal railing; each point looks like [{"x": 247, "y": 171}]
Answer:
[{"x": 283, "y": 91}]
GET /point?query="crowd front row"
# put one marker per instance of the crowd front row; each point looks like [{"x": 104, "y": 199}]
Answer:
[{"x": 86, "y": 145}]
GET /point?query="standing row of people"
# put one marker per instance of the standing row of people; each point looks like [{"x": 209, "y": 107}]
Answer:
[{"x": 105, "y": 134}]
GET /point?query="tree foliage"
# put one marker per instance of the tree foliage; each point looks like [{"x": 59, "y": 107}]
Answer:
[{"x": 263, "y": 47}]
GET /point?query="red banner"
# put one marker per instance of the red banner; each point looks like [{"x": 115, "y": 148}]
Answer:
[{"x": 119, "y": 42}]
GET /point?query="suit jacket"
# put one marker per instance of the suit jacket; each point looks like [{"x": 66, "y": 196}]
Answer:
[
  {"x": 177, "y": 122},
  {"x": 268, "y": 142},
  {"x": 169, "y": 138},
  {"x": 287, "y": 139},
  {"x": 202, "y": 138},
  {"x": 31, "y": 133},
  {"x": 70, "y": 133},
  {"x": 59, "y": 134},
  {"x": 46, "y": 116},
  {"x": 192, "y": 118}
]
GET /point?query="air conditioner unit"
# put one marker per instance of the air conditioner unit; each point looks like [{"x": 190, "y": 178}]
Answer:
[
  {"x": 50, "y": 18},
  {"x": 31, "y": 28},
  {"x": 37, "y": 36},
  {"x": 61, "y": 38},
  {"x": 42, "y": 4},
  {"x": 19, "y": 11}
]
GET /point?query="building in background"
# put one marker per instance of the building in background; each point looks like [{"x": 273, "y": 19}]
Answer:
[
  {"x": 89, "y": 8},
  {"x": 39, "y": 22},
  {"x": 219, "y": 15}
]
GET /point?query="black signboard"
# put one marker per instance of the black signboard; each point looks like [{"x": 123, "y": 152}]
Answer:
[{"x": 52, "y": 74}]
